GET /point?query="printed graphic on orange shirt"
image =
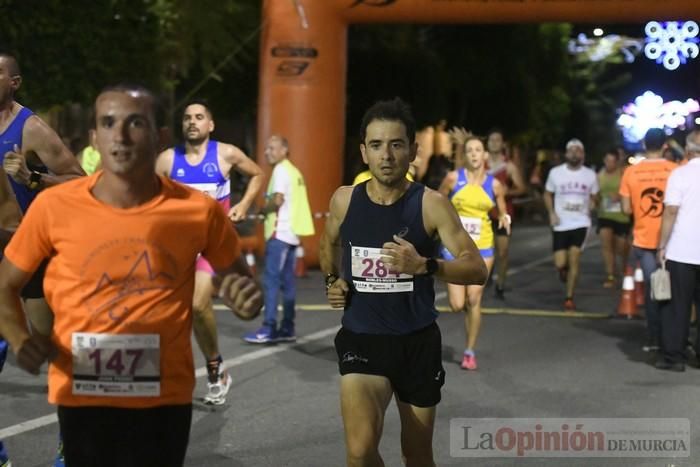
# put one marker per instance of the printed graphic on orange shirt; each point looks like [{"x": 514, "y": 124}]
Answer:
[
  {"x": 125, "y": 270},
  {"x": 652, "y": 202}
]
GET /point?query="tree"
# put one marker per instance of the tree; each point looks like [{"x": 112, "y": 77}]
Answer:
[{"x": 69, "y": 50}]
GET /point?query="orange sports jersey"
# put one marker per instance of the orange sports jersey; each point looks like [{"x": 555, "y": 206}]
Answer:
[
  {"x": 120, "y": 283},
  {"x": 644, "y": 184}
]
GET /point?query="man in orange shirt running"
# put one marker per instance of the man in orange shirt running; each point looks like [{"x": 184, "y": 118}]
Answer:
[
  {"x": 642, "y": 191},
  {"x": 120, "y": 280}
]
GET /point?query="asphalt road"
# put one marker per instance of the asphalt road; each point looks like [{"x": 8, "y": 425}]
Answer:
[{"x": 534, "y": 362}]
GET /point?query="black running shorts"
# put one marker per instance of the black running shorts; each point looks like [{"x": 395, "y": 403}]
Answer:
[
  {"x": 411, "y": 362},
  {"x": 115, "y": 437},
  {"x": 620, "y": 229},
  {"x": 568, "y": 238}
]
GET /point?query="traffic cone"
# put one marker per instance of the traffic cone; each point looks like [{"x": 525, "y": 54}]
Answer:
[
  {"x": 250, "y": 259},
  {"x": 300, "y": 266},
  {"x": 627, "y": 307},
  {"x": 638, "y": 286}
]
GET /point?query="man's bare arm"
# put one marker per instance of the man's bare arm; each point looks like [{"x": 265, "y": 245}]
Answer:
[
  {"x": 503, "y": 217},
  {"x": 164, "y": 162},
  {"x": 329, "y": 252},
  {"x": 519, "y": 187},
  {"x": 239, "y": 291},
  {"x": 246, "y": 166},
  {"x": 667, "y": 222},
  {"x": 273, "y": 203},
  {"x": 330, "y": 248},
  {"x": 40, "y": 139},
  {"x": 439, "y": 216},
  {"x": 468, "y": 268},
  {"x": 31, "y": 351},
  {"x": 10, "y": 213},
  {"x": 626, "y": 205}
]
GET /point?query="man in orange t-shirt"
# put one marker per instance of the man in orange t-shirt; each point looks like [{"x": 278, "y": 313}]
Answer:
[
  {"x": 120, "y": 280},
  {"x": 642, "y": 190}
]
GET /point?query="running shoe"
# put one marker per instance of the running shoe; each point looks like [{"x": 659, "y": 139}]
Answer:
[
  {"x": 664, "y": 364},
  {"x": 499, "y": 292},
  {"x": 609, "y": 282},
  {"x": 217, "y": 390},
  {"x": 468, "y": 362},
  {"x": 264, "y": 335},
  {"x": 286, "y": 334},
  {"x": 652, "y": 345},
  {"x": 60, "y": 459},
  {"x": 3, "y": 356},
  {"x": 569, "y": 305},
  {"x": 4, "y": 459}
]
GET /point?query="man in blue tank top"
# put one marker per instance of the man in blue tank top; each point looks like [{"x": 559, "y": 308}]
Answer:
[
  {"x": 388, "y": 229},
  {"x": 33, "y": 158},
  {"x": 206, "y": 165}
]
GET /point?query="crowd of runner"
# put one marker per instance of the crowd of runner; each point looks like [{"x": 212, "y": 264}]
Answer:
[{"x": 112, "y": 260}]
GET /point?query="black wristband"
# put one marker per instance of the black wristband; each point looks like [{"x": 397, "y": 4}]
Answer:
[
  {"x": 330, "y": 280},
  {"x": 431, "y": 266},
  {"x": 35, "y": 182}
]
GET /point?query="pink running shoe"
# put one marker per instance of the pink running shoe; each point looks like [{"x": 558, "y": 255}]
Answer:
[{"x": 468, "y": 362}]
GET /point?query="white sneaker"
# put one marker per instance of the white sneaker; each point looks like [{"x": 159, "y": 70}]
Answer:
[{"x": 217, "y": 391}]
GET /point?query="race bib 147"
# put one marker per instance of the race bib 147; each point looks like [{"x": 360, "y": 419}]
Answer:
[{"x": 116, "y": 365}]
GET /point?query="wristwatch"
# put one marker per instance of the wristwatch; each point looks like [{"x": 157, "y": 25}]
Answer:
[
  {"x": 431, "y": 266},
  {"x": 330, "y": 280},
  {"x": 35, "y": 182}
]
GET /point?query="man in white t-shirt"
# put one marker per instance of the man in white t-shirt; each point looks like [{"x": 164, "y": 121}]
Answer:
[
  {"x": 569, "y": 197},
  {"x": 680, "y": 249},
  {"x": 287, "y": 218}
]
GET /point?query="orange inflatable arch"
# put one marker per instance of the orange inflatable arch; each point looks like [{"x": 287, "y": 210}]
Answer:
[{"x": 303, "y": 64}]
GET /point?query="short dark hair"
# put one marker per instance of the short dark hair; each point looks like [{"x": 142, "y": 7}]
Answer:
[
  {"x": 156, "y": 104},
  {"x": 393, "y": 110},
  {"x": 13, "y": 63},
  {"x": 612, "y": 152},
  {"x": 692, "y": 141},
  {"x": 200, "y": 101},
  {"x": 283, "y": 141},
  {"x": 654, "y": 139},
  {"x": 496, "y": 129}
]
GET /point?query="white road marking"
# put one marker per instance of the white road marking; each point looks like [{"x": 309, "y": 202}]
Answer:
[{"x": 46, "y": 420}]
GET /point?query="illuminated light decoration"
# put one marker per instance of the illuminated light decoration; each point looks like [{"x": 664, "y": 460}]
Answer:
[
  {"x": 636, "y": 159},
  {"x": 672, "y": 43},
  {"x": 650, "y": 111},
  {"x": 597, "y": 32},
  {"x": 600, "y": 48}
]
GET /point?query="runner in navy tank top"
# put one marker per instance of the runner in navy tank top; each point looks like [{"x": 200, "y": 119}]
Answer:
[
  {"x": 206, "y": 165},
  {"x": 33, "y": 157},
  {"x": 390, "y": 344}
]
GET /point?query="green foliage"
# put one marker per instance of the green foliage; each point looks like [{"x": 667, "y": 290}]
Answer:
[
  {"x": 69, "y": 50},
  {"x": 479, "y": 76},
  {"x": 518, "y": 77}
]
